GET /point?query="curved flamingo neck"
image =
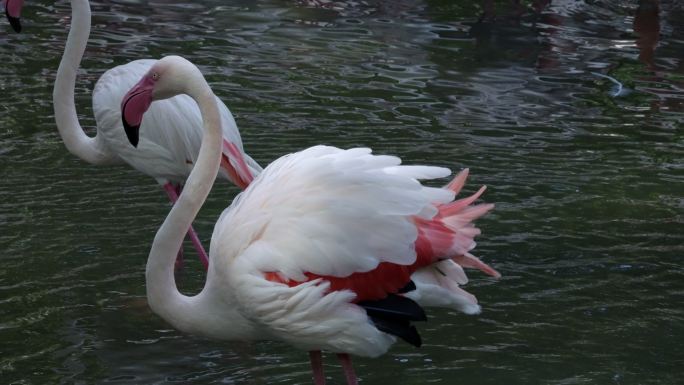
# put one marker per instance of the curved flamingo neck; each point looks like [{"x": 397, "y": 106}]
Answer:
[
  {"x": 189, "y": 314},
  {"x": 92, "y": 150}
]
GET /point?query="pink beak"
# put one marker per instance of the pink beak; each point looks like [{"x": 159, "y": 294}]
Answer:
[
  {"x": 13, "y": 12},
  {"x": 134, "y": 105}
]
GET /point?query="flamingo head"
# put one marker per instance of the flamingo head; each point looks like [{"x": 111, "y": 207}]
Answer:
[
  {"x": 168, "y": 77},
  {"x": 13, "y": 12}
]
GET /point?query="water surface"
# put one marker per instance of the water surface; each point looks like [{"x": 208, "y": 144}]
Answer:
[{"x": 588, "y": 228}]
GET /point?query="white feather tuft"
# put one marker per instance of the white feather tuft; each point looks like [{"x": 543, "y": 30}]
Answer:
[{"x": 438, "y": 285}]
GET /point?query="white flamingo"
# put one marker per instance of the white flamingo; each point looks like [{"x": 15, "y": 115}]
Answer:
[
  {"x": 173, "y": 128},
  {"x": 317, "y": 250}
]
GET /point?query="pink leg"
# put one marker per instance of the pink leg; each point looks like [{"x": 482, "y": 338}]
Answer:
[
  {"x": 348, "y": 369},
  {"x": 179, "y": 260},
  {"x": 198, "y": 246},
  {"x": 317, "y": 367},
  {"x": 173, "y": 192}
]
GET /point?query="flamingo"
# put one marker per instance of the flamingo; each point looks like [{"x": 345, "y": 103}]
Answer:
[
  {"x": 167, "y": 150},
  {"x": 322, "y": 250}
]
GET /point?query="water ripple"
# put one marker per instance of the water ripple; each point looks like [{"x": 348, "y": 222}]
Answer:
[{"x": 587, "y": 186}]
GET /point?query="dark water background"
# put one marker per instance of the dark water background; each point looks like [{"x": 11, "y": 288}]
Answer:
[{"x": 588, "y": 230}]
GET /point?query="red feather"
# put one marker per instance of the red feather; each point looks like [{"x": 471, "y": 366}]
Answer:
[{"x": 241, "y": 176}]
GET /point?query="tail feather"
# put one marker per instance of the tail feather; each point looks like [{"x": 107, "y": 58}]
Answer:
[
  {"x": 458, "y": 182},
  {"x": 469, "y": 260},
  {"x": 443, "y": 247},
  {"x": 451, "y": 232},
  {"x": 456, "y": 206},
  {"x": 471, "y": 213},
  {"x": 456, "y": 290},
  {"x": 452, "y": 270},
  {"x": 461, "y": 244},
  {"x": 439, "y": 285},
  {"x": 233, "y": 161}
]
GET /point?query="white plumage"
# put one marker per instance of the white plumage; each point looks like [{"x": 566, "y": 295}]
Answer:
[
  {"x": 324, "y": 211},
  {"x": 338, "y": 211},
  {"x": 440, "y": 286}
]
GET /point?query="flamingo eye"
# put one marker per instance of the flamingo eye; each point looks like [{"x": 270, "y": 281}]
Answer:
[{"x": 155, "y": 76}]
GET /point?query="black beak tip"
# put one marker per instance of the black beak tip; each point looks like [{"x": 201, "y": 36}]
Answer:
[
  {"x": 132, "y": 133},
  {"x": 15, "y": 23}
]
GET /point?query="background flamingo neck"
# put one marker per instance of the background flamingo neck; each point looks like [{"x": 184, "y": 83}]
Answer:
[
  {"x": 92, "y": 150},
  {"x": 185, "y": 313}
]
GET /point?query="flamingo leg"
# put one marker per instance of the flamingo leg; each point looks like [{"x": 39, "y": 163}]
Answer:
[
  {"x": 345, "y": 360},
  {"x": 317, "y": 367},
  {"x": 173, "y": 192},
  {"x": 179, "y": 260}
]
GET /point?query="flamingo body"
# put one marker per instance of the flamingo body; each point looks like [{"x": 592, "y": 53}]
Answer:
[{"x": 319, "y": 231}]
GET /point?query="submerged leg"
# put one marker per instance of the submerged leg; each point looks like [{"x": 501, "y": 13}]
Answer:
[
  {"x": 317, "y": 367},
  {"x": 173, "y": 192},
  {"x": 345, "y": 360},
  {"x": 179, "y": 260}
]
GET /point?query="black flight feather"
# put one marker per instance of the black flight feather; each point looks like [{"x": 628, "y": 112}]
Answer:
[
  {"x": 403, "y": 330},
  {"x": 394, "y": 314},
  {"x": 410, "y": 286},
  {"x": 394, "y": 307}
]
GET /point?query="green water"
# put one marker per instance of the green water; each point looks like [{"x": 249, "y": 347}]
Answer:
[{"x": 588, "y": 227}]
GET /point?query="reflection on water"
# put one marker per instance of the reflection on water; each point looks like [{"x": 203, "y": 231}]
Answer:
[{"x": 588, "y": 187}]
